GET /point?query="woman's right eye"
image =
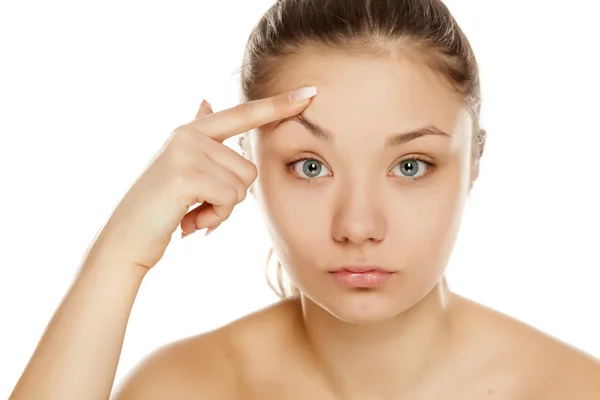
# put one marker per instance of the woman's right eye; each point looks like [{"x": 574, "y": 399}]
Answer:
[{"x": 309, "y": 168}]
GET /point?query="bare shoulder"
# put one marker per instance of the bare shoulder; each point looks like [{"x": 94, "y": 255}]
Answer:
[
  {"x": 575, "y": 376},
  {"x": 186, "y": 369},
  {"x": 210, "y": 365},
  {"x": 565, "y": 372},
  {"x": 540, "y": 365}
]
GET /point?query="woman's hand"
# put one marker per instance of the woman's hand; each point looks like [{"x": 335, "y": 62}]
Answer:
[{"x": 194, "y": 166}]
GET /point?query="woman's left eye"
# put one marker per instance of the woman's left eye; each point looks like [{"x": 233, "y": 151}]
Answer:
[
  {"x": 412, "y": 168},
  {"x": 310, "y": 168}
]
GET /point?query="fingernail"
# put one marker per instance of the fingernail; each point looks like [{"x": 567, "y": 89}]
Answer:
[
  {"x": 303, "y": 93},
  {"x": 211, "y": 229},
  {"x": 184, "y": 235},
  {"x": 205, "y": 104}
]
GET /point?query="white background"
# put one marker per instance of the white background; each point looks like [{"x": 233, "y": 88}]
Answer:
[{"x": 90, "y": 91}]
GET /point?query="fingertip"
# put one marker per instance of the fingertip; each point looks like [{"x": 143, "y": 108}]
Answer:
[
  {"x": 205, "y": 109},
  {"x": 302, "y": 94},
  {"x": 206, "y": 104}
]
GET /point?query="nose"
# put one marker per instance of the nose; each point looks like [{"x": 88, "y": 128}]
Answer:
[{"x": 359, "y": 217}]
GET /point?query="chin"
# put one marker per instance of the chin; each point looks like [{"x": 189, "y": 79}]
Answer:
[{"x": 362, "y": 306}]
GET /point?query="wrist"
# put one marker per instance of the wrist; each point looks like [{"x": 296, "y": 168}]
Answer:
[{"x": 104, "y": 265}]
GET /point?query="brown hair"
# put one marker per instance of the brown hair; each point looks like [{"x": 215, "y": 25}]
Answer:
[{"x": 425, "y": 28}]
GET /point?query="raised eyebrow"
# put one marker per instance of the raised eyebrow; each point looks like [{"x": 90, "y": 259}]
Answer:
[
  {"x": 319, "y": 132},
  {"x": 398, "y": 139},
  {"x": 392, "y": 140}
]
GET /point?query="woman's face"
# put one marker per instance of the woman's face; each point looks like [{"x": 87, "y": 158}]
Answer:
[{"x": 349, "y": 185}]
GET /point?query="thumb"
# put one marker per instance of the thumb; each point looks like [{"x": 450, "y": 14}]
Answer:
[{"x": 204, "y": 110}]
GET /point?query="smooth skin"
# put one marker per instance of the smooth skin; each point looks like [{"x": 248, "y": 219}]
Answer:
[
  {"x": 77, "y": 356},
  {"x": 411, "y": 339}
]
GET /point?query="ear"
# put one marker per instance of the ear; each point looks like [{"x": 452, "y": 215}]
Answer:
[
  {"x": 245, "y": 150},
  {"x": 478, "y": 153},
  {"x": 242, "y": 144},
  {"x": 481, "y": 139}
]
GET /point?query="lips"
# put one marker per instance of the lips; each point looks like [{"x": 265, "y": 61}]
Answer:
[{"x": 353, "y": 276}]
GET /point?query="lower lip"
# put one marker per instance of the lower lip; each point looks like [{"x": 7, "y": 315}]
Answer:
[{"x": 367, "y": 279}]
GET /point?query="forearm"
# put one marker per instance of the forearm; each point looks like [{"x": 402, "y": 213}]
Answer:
[{"x": 78, "y": 354}]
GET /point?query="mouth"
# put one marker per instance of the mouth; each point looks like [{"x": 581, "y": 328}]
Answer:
[
  {"x": 359, "y": 269},
  {"x": 363, "y": 276}
]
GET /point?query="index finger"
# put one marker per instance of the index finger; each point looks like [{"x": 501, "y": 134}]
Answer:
[{"x": 246, "y": 116}]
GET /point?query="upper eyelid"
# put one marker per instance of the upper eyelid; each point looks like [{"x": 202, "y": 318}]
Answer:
[
  {"x": 430, "y": 164},
  {"x": 426, "y": 160},
  {"x": 306, "y": 158}
]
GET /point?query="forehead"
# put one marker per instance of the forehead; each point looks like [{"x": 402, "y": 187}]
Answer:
[{"x": 370, "y": 93}]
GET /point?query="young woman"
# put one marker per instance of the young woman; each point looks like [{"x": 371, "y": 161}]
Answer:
[{"x": 361, "y": 138}]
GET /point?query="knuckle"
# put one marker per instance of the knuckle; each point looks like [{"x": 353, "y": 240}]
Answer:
[
  {"x": 225, "y": 212},
  {"x": 250, "y": 172},
  {"x": 182, "y": 135},
  {"x": 240, "y": 190},
  {"x": 180, "y": 143},
  {"x": 187, "y": 136},
  {"x": 242, "y": 195},
  {"x": 185, "y": 151},
  {"x": 231, "y": 195},
  {"x": 274, "y": 106},
  {"x": 180, "y": 130}
]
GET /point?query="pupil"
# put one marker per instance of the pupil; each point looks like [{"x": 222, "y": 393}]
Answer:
[
  {"x": 312, "y": 168},
  {"x": 410, "y": 168}
]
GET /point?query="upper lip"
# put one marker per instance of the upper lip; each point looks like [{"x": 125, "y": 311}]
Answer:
[{"x": 361, "y": 268}]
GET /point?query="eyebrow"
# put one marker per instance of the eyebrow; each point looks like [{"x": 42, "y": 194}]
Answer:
[{"x": 393, "y": 140}]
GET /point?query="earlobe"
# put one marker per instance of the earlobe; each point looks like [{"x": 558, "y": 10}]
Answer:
[
  {"x": 242, "y": 144},
  {"x": 474, "y": 174},
  {"x": 481, "y": 138}
]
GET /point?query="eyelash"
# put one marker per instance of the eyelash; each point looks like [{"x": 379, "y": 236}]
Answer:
[{"x": 429, "y": 164}]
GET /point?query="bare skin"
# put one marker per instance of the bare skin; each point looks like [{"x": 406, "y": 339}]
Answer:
[
  {"x": 267, "y": 355},
  {"x": 77, "y": 356},
  {"x": 408, "y": 338}
]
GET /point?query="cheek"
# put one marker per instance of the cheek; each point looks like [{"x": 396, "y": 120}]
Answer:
[
  {"x": 426, "y": 223},
  {"x": 296, "y": 212}
]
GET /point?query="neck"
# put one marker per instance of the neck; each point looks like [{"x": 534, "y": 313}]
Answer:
[{"x": 385, "y": 358}]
